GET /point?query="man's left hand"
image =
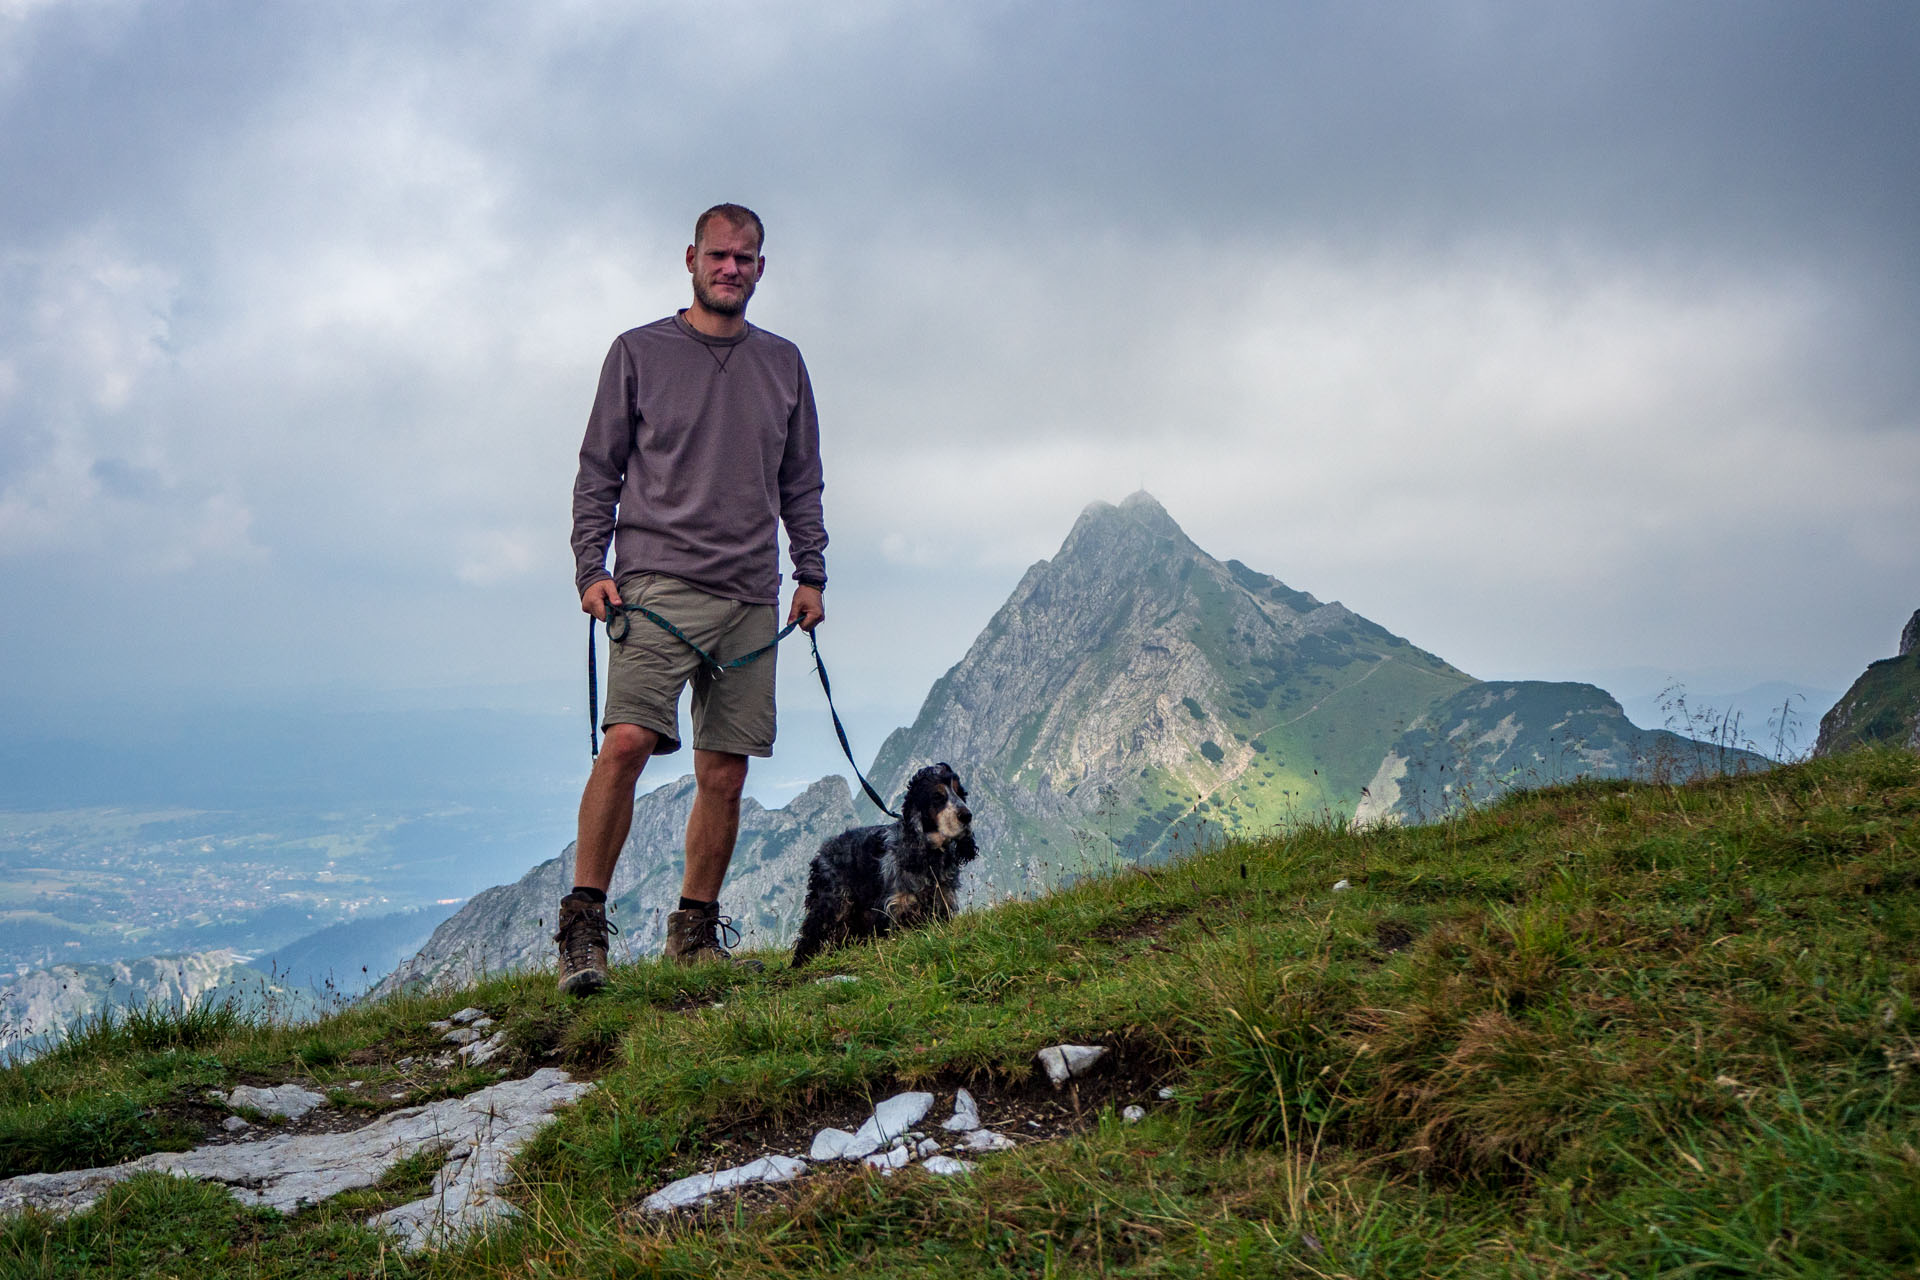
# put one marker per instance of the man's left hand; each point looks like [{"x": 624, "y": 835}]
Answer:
[{"x": 808, "y": 609}]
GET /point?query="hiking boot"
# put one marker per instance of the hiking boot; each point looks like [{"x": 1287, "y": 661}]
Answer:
[
  {"x": 693, "y": 937},
  {"x": 583, "y": 945}
]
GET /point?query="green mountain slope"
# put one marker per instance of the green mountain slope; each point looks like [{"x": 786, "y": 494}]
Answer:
[
  {"x": 1882, "y": 707},
  {"x": 1500, "y": 736},
  {"x": 1602, "y": 1029}
]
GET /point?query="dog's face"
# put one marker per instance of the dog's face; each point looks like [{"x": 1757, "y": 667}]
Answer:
[{"x": 937, "y": 804}]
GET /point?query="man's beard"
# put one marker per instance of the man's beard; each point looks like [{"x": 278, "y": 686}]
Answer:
[{"x": 723, "y": 305}]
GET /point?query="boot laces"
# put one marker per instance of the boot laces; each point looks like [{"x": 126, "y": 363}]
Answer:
[{"x": 577, "y": 937}]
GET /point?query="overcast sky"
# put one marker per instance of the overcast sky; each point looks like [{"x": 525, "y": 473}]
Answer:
[{"x": 1567, "y": 340}]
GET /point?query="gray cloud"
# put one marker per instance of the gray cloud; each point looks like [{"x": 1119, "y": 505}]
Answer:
[{"x": 1557, "y": 337}]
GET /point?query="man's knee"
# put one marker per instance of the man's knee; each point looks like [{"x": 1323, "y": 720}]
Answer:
[
  {"x": 627, "y": 747},
  {"x": 720, "y": 775}
]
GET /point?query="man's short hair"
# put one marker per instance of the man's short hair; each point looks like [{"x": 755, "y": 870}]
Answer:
[{"x": 737, "y": 215}]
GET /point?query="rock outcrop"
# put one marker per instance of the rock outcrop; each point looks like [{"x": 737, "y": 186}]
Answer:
[
  {"x": 1883, "y": 706},
  {"x": 478, "y": 1133}
]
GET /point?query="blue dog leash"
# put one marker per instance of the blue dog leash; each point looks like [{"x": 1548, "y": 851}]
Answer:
[
  {"x": 840, "y": 729},
  {"x": 620, "y": 613}
]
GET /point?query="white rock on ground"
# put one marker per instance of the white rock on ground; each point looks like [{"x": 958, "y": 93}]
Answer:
[
  {"x": 287, "y": 1171},
  {"x": 287, "y": 1100},
  {"x": 945, "y": 1166},
  {"x": 481, "y": 1050},
  {"x": 838, "y": 1144},
  {"x": 986, "y": 1140},
  {"x": 234, "y": 1124},
  {"x": 467, "y": 1015},
  {"x": 966, "y": 1113},
  {"x": 1134, "y": 1115},
  {"x": 462, "y": 1035},
  {"x": 692, "y": 1191},
  {"x": 891, "y": 1119},
  {"x": 834, "y": 978},
  {"x": 926, "y": 1147},
  {"x": 896, "y": 1158},
  {"x": 1340, "y": 885},
  {"x": 1064, "y": 1061}
]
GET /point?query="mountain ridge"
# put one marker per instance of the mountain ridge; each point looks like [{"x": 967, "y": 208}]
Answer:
[{"x": 1133, "y": 697}]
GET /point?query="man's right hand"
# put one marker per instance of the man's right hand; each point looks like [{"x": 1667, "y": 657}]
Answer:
[{"x": 598, "y": 596}]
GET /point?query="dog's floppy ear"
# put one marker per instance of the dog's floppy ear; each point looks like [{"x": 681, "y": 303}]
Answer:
[{"x": 915, "y": 805}]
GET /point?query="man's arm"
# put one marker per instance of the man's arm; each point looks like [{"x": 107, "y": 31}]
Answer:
[
  {"x": 800, "y": 488},
  {"x": 604, "y": 454}
]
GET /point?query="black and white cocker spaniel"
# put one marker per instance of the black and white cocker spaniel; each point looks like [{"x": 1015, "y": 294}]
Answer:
[{"x": 867, "y": 882}]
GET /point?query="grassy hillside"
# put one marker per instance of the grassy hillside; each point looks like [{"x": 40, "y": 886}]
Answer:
[{"x": 1597, "y": 1029}]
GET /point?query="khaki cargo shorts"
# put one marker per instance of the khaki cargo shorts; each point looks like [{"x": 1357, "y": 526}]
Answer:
[{"x": 647, "y": 670}]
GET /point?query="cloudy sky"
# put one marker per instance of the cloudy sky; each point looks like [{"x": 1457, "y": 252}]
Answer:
[{"x": 1567, "y": 340}]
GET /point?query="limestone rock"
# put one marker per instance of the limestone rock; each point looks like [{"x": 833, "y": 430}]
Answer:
[
  {"x": 688, "y": 1192},
  {"x": 966, "y": 1113},
  {"x": 288, "y": 1171},
  {"x": 483, "y": 1050},
  {"x": 1064, "y": 1061},
  {"x": 1134, "y": 1115},
  {"x": 838, "y": 1144},
  {"x": 288, "y": 1101},
  {"x": 986, "y": 1140},
  {"x": 1910, "y": 635},
  {"x": 945, "y": 1166},
  {"x": 234, "y": 1124},
  {"x": 892, "y": 1118},
  {"x": 894, "y": 1158}
]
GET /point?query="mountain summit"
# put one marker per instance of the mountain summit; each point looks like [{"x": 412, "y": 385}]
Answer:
[{"x": 1135, "y": 695}]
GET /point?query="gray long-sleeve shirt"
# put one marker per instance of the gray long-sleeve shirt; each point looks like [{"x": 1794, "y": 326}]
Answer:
[{"x": 695, "y": 449}]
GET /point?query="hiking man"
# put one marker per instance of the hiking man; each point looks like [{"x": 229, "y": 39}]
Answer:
[{"x": 702, "y": 439}]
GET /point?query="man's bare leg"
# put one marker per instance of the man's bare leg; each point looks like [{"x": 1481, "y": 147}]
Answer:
[
  {"x": 606, "y": 806},
  {"x": 718, "y": 778}
]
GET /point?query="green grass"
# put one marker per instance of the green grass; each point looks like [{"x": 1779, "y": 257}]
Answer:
[{"x": 1599, "y": 1029}]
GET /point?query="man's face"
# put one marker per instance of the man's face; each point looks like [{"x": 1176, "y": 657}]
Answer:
[{"x": 726, "y": 265}]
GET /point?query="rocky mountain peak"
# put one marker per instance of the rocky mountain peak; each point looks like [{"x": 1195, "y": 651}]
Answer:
[
  {"x": 1910, "y": 637},
  {"x": 1133, "y": 688}
]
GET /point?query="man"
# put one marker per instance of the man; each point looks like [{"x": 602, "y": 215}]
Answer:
[{"x": 702, "y": 439}]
